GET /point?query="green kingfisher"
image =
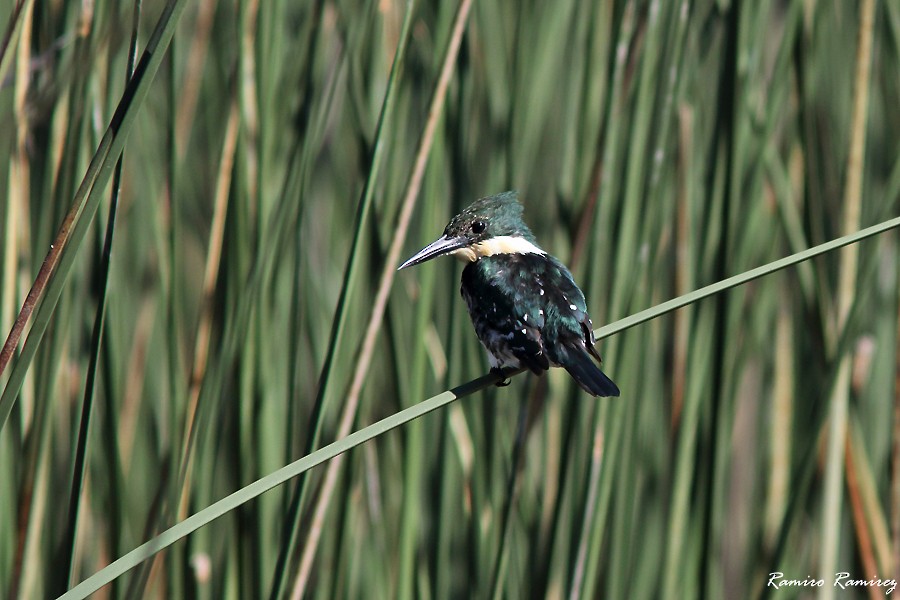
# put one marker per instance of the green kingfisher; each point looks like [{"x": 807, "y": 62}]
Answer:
[{"x": 524, "y": 304}]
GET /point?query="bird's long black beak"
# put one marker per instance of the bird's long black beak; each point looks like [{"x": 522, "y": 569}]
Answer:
[{"x": 443, "y": 245}]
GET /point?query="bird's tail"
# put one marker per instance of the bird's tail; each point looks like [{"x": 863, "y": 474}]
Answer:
[{"x": 588, "y": 375}]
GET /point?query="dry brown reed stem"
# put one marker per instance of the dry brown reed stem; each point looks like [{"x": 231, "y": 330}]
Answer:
[
  {"x": 860, "y": 525},
  {"x": 210, "y": 277},
  {"x": 384, "y": 288}
]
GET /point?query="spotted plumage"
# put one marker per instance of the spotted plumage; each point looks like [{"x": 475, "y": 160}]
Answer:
[{"x": 525, "y": 306}]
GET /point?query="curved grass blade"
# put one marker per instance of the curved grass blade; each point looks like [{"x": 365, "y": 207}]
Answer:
[
  {"x": 260, "y": 486},
  {"x": 746, "y": 276}
]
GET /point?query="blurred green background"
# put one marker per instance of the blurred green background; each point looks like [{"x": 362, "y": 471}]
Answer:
[{"x": 657, "y": 147}]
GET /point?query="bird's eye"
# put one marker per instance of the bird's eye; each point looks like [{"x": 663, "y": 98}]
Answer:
[{"x": 478, "y": 226}]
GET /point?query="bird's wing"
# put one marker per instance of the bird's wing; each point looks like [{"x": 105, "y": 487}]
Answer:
[
  {"x": 570, "y": 338},
  {"x": 572, "y": 325}
]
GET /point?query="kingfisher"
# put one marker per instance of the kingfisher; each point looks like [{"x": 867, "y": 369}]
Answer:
[{"x": 527, "y": 310}]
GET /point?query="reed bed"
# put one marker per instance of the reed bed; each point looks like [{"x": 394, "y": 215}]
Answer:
[{"x": 225, "y": 302}]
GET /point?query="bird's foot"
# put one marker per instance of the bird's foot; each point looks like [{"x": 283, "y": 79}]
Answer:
[{"x": 501, "y": 373}]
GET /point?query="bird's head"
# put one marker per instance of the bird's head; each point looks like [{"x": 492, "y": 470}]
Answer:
[{"x": 489, "y": 226}]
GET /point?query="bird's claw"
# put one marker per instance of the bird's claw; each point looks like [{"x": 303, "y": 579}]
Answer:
[{"x": 499, "y": 372}]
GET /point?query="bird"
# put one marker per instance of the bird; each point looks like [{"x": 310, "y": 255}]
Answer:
[{"x": 527, "y": 311}]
